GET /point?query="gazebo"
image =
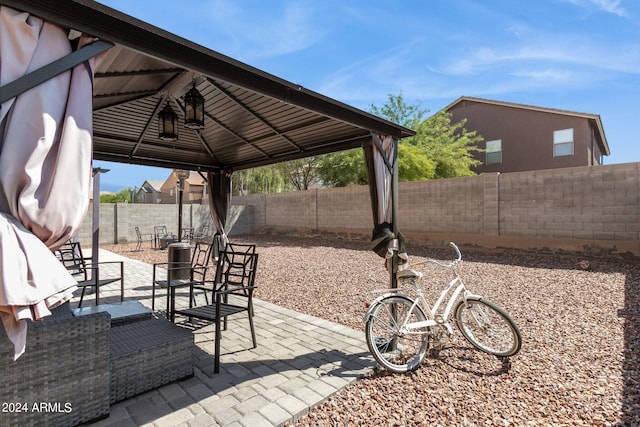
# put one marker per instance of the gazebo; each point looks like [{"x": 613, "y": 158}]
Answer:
[
  {"x": 250, "y": 118},
  {"x": 243, "y": 116},
  {"x": 146, "y": 82}
]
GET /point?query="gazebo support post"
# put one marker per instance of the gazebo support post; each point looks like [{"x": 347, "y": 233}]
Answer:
[{"x": 394, "y": 220}]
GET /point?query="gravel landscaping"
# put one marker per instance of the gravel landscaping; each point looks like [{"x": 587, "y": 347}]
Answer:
[{"x": 578, "y": 364}]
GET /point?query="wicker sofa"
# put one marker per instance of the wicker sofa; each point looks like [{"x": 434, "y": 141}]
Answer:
[
  {"x": 63, "y": 377},
  {"x": 147, "y": 354},
  {"x": 76, "y": 366}
]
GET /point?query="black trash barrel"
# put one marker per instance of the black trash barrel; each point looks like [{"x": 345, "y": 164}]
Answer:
[{"x": 179, "y": 261}]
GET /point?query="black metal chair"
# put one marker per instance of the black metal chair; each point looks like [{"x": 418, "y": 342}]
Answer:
[
  {"x": 232, "y": 293},
  {"x": 202, "y": 234},
  {"x": 234, "y": 254},
  {"x": 87, "y": 272},
  {"x": 187, "y": 234},
  {"x": 159, "y": 233},
  {"x": 143, "y": 237},
  {"x": 235, "y": 272},
  {"x": 180, "y": 275}
]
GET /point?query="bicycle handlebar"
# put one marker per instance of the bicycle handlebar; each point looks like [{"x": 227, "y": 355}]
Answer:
[
  {"x": 455, "y": 248},
  {"x": 444, "y": 264}
]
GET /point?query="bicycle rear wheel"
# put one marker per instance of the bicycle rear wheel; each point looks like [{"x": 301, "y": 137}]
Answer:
[
  {"x": 488, "y": 327},
  {"x": 392, "y": 348}
]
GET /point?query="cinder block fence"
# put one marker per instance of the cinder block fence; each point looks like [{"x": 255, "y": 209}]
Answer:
[{"x": 592, "y": 209}]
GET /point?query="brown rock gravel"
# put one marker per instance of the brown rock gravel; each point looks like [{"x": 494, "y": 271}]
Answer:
[{"x": 579, "y": 361}]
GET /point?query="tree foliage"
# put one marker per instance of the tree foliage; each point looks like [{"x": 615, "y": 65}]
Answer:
[
  {"x": 300, "y": 173},
  {"x": 121, "y": 196},
  {"x": 342, "y": 168},
  {"x": 399, "y": 112},
  {"x": 440, "y": 149},
  {"x": 449, "y": 146},
  {"x": 413, "y": 164},
  {"x": 260, "y": 180}
]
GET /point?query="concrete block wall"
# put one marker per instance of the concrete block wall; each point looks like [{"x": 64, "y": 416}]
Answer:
[
  {"x": 441, "y": 206},
  {"x": 594, "y": 203},
  {"x": 490, "y": 208},
  {"x": 118, "y": 220},
  {"x": 595, "y": 208},
  {"x": 258, "y": 209},
  {"x": 296, "y": 210},
  {"x": 343, "y": 210}
]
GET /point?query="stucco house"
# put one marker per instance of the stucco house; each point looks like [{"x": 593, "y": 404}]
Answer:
[
  {"x": 149, "y": 192},
  {"x": 519, "y": 137},
  {"x": 195, "y": 189}
]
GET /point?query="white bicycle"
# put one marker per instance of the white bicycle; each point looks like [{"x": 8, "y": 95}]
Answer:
[{"x": 399, "y": 329}]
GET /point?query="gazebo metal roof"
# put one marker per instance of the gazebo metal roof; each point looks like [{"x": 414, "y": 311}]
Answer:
[{"x": 252, "y": 118}]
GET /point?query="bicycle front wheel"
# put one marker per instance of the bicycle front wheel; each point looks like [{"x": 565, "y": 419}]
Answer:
[
  {"x": 393, "y": 348},
  {"x": 488, "y": 327}
]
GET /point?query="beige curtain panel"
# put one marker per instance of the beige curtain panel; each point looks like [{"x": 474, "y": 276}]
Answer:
[{"x": 45, "y": 169}]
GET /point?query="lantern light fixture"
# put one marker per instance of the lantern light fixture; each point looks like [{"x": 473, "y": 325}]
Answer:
[
  {"x": 194, "y": 109},
  {"x": 167, "y": 124}
]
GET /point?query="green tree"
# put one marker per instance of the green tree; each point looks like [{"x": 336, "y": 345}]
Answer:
[
  {"x": 397, "y": 111},
  {"x": 260, "y": 180},
  {"x": 300, "y": 174},
  {"x": 440, "y": 149},
  {"x": 413, "y": 164},
  {"x": 121, "y": 196},
  {"x": 448, "y": 145},
  {"x": 342, "y": 168}
]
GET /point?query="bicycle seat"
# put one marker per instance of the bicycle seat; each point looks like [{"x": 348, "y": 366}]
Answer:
[{"x": 408, "y": 273}]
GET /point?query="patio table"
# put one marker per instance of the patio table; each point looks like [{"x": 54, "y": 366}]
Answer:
[{"x": 121, "y": 312}]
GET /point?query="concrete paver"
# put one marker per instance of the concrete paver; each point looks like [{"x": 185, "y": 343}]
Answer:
[{"x": 300, "y": 361}]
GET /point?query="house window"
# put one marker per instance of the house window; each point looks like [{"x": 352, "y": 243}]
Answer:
[
  {"x": 563, "y": 142},
  {"x": 494, "y": 152},
  {"x": 171, "y": 192}
]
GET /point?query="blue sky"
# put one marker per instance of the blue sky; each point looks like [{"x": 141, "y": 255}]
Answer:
[{"x": 579, "y": 55}]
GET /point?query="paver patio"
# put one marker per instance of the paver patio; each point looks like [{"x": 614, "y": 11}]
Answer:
[{"x": 300, "y": 361}]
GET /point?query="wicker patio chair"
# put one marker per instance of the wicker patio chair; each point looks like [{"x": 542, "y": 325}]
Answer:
[{"x": 66, "y": 363}]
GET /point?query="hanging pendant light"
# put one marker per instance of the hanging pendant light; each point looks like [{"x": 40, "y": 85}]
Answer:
[
  {"x": 167, "y": 124},
  {"x": 194, "y": 109}
]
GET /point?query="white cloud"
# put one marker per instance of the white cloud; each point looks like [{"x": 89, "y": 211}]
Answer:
[
  {"x": 549, "y": 75},
  {"x": 490, "y": 72},
  {"x": 567, "y": 55},
  {"x": 265, "y": 31},
  {"x": 608, "y": 6}
]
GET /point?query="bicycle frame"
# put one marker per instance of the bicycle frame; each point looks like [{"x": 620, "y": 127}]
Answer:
[
  {"x": 434, "y": 314},
  {"x": 401, "y": 325},
  {"x": 435, "y": 318}
]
